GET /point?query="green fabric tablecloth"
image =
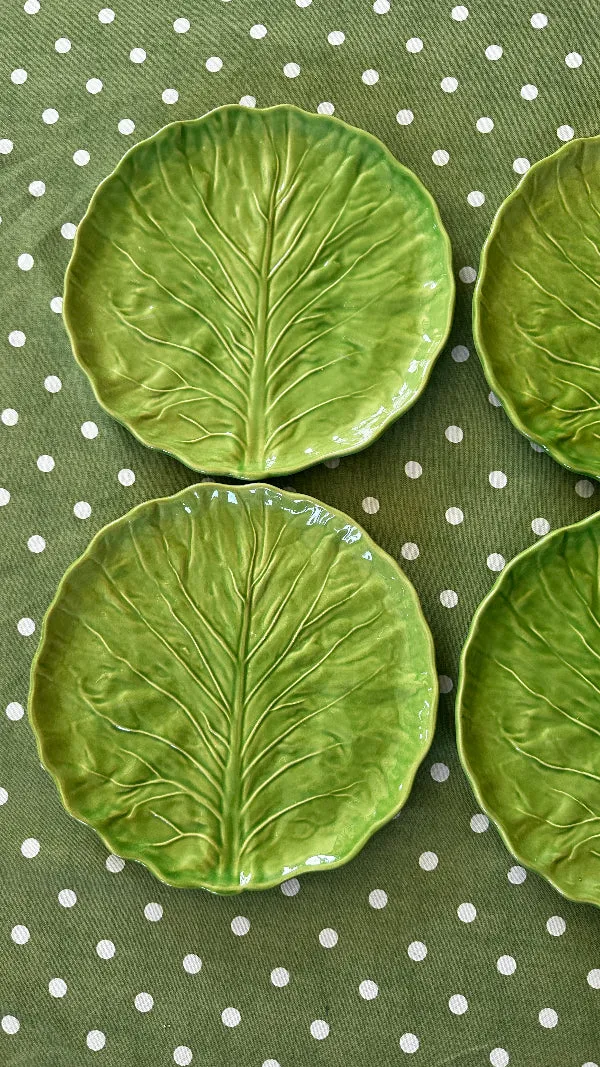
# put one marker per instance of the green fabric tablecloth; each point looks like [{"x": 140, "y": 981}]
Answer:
[{"x": 432, "y": 931}]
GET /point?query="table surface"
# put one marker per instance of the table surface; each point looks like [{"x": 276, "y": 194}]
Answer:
[{"x": 88, "y": 944}]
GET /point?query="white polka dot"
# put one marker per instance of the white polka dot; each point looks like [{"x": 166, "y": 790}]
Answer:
[
  {"x": 126, "y": 126},
  {"x": 328, "y": 937},
  {"x": 259, "y": 31},
  {"x": 449, "y": 598},
  {"x": 20, "y": 935},
  {"x": 3, "y": 796},
  {"x": 89, "y": 430},
  {"x": 280, "y": 977},
  {"x": 114, "y": 864},
  {"x": 37, "y": 188},
  {"x": 584, "y": 488},
  {"x": 409, "y": 1043},
  {"x": 412, "y": 469},
  {"x": 105, "y": 949},
  {"x": 276, "y": 1063},
  {"x": 479, "y": 823},
  {"x": 495, "y": 561},
  {"x": 521, "y": 165},
  {"x": 248, "y": 101},
  {"x": 410, "y": 550},
  {"x": 137, "y": 55},
  {"x": 10, "y": 417},
  {"x": 230, "y": 1017},
  {"x": 405, "y": 116},
  {"x": 506, "y": 965},
  {"x": 476, "y": 198},
  {"x": 62, "y": 45},
  {"x": 31, "y": 7},
  {"x": 126, "y": 476},
  {"x": 540, "y": 526},
  {"x": 460, "y": 354},
  {"x": 36, "y": 543},
  {"x": 467, "y": 274},
  {"x": 240, "y": 925},
  {"x": 291, "y": 70},
  {"x": 290, "y": 888},
  {"x": 454, "y": 516},
  {"x": 449, "y": 85},
  {"x": 93, "y": 86},
  {"x": 428, "y": 861},
  {"x": 95, "y": 1040},
  {"x": 460, "y": 13},
  {"x": 325, "y": 108},
  {"x": 6, "y": 146},
  {"x": 458, "y": 1004},
  {"x": 16, "y": 338},
  {"x": 26, "y": 627},
  {"x": 517, "y": 875},
  {"x": 56, "y": 304},
  {"x": 370, "y": 76},
  {"x": 14, "y": 711},
  {"x": 82, "y": 509},
  {"x": 368, "y": 989},
  {"x": 106, "y": 15},
  {"x": 529, "y": 92},
  {"x": 81, "y": 157},
  {"x": 380, "y": 7},
  {"x": 446, "y": 684},
  {"x": 302, "y": 3},
  {"x": 50, "y": 116},
  {"x": 57, "y": 987},
  {"x": 378, "y": 899},
  {"x": 414, "y": 44},
  {"x": 440, "y": 157},
  {"x": 10, "y": 1024},
  {"x": 573, "y": 60},
  {"x": 499, "y": 1057},
  {"x": 493, "y": 52},
  {"x": 68, "y": 230},
  {"x": 485, "y": 125},
  {"x": 548, "y": 1018},
  {"x": 593, "y": 978},
  {"x": 440, "y": 772},
  {"x": 335, "y": 37},
  {"x": 181, "y": 25},
  {"x": 170, "y": 96},
  {"x": 556, "y": 925},
  {"x": 370, "y": 504},
  {"x": 153, "y": 912},
  {"x": 417, "y": 951},
  {"x": 454, "y": 434},
  {"x": 182, "y": 1055},
  {"x": 18, "y": 76},
  {"x": 466, "y": 912},
  {"x": 4, "y": 497},
  {"x": 67, "y": 898},
  {"x": 25, "y": 261},
  {"x": 319, "y": 1029},
  {"x": 565, "y": 133},
  {"x": 192, "y": 963},
  {"x": 497, "y": 479},
  {"x": 144, "y": 1002},
  {"x": 539, "y": 21},
  {"x": 45, "y": 464}
]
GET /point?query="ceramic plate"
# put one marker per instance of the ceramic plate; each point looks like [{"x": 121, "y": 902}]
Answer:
[
  {"x": 254, "y": 291},
  {"x": 234, "y": 685},
  {"x": 528, "y": 708},
  {"x": 536, "y": 308}
]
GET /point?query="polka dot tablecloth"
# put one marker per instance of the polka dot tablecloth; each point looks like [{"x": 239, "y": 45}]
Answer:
[{"x": 433, "y": 946}]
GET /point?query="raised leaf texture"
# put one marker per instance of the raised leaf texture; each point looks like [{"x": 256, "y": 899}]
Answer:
[
  {"x": 234, "y": 685},
  {"x": 529, "y": 708},
  {"x": 254, "y": 291},
  {"x": 537, "y": 307}
]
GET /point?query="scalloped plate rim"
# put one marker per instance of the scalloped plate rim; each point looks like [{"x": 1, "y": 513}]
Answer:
[
  {"x": 299, "y": 464},
  {"x": 372, "y": 827}
]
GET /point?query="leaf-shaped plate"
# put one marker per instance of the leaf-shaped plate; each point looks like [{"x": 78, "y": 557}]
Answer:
[
  {"x": 234, "y": 685},
  {"x": 254, "y": 291},
  {"x": 536, "y": 318},
  {"x": 528, "y": 708}
]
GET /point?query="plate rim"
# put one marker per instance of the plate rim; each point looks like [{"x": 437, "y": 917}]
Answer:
[
  {"x": 280, "y": 470},
  {"x": 555, "y": 451},
  {"x": 371, "y": 827},
  {"x": 462, "y": 674}
]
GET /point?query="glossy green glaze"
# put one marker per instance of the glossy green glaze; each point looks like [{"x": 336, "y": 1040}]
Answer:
[
  {"x": 254, "y": 291},
  {"x": 528, "y": 708},
  {"x": 234, "y": 685},
  {"x": 536, "y": 317}
]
